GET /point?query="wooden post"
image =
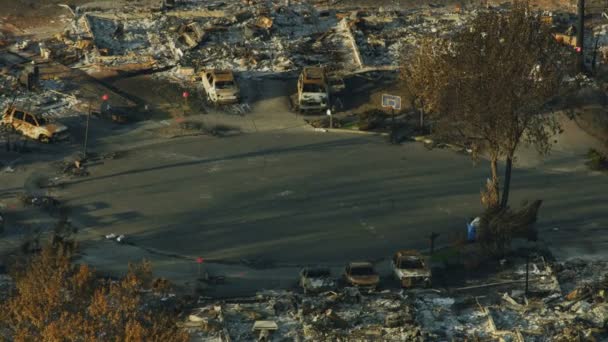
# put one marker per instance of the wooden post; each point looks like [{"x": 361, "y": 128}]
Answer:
[
  {"x": 593, "y": 61},
  {"x": 86, "y": 132},
  {"x": 527, "y": 273},
  {"x": 8, "y": 139},
  {"x": 432, "y": 238}
]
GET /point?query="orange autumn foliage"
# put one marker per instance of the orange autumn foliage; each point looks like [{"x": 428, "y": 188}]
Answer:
[{"x": 57, "y": 301}]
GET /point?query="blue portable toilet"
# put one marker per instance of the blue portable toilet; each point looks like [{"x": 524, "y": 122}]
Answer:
[{"x": 472, "y": 229}]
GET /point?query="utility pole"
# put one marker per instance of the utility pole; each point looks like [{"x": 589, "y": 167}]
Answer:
[
  {"x": 393, "y": 128},
  {"x": 580, "y": 36}
]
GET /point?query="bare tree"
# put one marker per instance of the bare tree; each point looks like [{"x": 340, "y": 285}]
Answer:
[{"x": 488, "y": 86}]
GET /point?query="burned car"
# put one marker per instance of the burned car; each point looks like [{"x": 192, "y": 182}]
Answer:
[
  {"x": 220, "y": 86},
  {"x": 313, "y": 280},
  {"x": 33, "y": 126},
  {"x": 411, "y": 269},
  {"x": 361, "y": 275},
  {"x": 313, "y": 90}
]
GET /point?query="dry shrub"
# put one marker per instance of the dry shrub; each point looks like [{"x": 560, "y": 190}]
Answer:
[
  {"x": 499, "y": 226},
  {"x": 371, "y": 119},
  {"x": 324, "y": 122},
  {"x": 597, "y": 161}
]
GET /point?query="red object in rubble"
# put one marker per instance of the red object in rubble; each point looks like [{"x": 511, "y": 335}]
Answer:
[
  {"x": 199, "y": 260},
  {"x": 105, "y": 97}
]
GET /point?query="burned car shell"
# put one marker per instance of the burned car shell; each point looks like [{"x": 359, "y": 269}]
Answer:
[
  {"x": 220, "y": 86},
  {"x": 316, "y": 280},
  {"x": 34, "y": 126},
  {"x": 313, "y": 90},
  {"x": 411, "y": 269},
  {"x": 361, "y": 275}
]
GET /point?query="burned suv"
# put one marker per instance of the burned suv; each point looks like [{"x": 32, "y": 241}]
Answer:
[
  {"x": 314, "y": 280},
  {"x": 361, "y": 275},
  {"x": 411, "y": 269},
  {"x": 33, "y": 126},
  {"x": 220, "y": 86}
]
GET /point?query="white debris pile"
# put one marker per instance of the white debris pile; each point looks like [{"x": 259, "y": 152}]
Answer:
[
  {"x": 235, "y": 318},
  {"x": 546, "y": 314},
  {"x": 383, "y": 38},
  {"x": 123, "y": 36},
  {"x": 577, "y": 273},
  {"x": 543, "y": 276},
  {"x": 441, "y": 318},
  {"x": 599, "y": 37},
  {"x": 49, "y": 100},
  {"x": 243, "y": 43},
  {"x": 263, "y": 37},
  {"x": 581, "y": 80},
  {"x": 330, "y": 316},
  {"x": 137, "y": 39},
  {"x": 548, "y": 319},
  {"x": 348, "y": 314}
]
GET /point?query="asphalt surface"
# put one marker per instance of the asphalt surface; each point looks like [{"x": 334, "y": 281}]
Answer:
[{"x": 259, "y": 205}]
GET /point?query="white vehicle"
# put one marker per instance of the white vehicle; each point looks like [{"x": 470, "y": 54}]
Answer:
[
  {"x": 411, "y": 269},
  {"x": 313, "y": 90},
  {"x": 220, "y": 86}
]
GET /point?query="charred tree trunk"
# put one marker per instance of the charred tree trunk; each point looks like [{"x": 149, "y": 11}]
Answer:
[
  {"x": 494, "y": 167},
  {"x": 490, "y": 195},
  {"x": 505, "y": 192}
]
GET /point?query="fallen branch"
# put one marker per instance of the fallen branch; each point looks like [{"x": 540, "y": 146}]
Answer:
[{"x": 489, "y": 285}]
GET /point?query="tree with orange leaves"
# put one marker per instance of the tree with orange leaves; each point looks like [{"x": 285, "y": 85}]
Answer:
[{"x": 57, "y": 301}]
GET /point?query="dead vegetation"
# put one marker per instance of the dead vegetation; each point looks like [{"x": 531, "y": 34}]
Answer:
[
  {"x": 499, "y": 226},
  {"x": 597, "y": 161},
  {"x": 54, "y": 300}
]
